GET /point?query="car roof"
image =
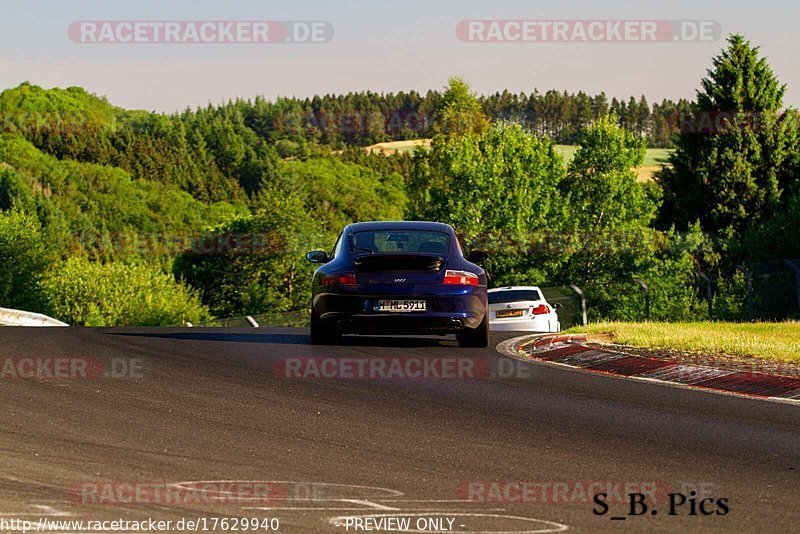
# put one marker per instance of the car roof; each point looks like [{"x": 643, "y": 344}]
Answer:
[
  {"x": 509, "y": 288},
  {"x": 399, "y": 225}
]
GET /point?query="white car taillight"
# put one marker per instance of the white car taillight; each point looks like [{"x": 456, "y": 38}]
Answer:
[{"x": 541, "y": 309}]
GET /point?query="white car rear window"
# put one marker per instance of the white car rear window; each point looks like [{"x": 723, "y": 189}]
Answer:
[{"x": 513, "y": 295}]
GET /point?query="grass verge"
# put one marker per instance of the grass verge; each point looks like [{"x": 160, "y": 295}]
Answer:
[{"x": 770, "y": 341}]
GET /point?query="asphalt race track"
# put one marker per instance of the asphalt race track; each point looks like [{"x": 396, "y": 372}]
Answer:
[{"x": 194, "y": 406}]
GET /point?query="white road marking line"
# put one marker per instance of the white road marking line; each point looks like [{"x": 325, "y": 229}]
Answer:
[
  {"x": 44, "y": 511},
  {"x": 371, "y": 504},
  {"x": 49, "y": 510},
  {"x": 794, "y": 394},
  {"x": 506, "y": 348}
]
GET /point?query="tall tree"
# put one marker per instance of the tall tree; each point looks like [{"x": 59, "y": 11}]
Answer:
[
  {"x": 600, "y": 185},
  {"x": 23, "y": 262},
  {"x": 502, "y": 181},
  {"x": 460, "y": 111},
  {"x": 728, "y": 169}
]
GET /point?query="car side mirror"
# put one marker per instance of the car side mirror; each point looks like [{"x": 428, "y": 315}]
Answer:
[
  {"x": 318, "y": 256},
  {"x": 557, "y": 306},
  {"x": 477, "y": 256}
]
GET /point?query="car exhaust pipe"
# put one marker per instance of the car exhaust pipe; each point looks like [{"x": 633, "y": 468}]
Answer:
[{"x": 456, "y": 324}]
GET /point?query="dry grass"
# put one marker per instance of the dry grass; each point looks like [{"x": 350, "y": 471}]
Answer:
[
  {"x": 395, "y": 147},
  {"x": 646, "y": 172}
]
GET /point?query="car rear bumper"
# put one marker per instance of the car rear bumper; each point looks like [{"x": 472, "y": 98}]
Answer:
[
  {"x": 397, "y": 323},
  {"x": 445, "y": 313}
]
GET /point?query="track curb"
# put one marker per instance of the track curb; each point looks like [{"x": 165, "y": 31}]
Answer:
[{"x": 571, "y": 350}]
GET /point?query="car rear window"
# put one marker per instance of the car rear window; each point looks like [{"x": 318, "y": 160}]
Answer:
[
  {"x": 399, "y": 242},
  {"x": 513, "y": 295}
]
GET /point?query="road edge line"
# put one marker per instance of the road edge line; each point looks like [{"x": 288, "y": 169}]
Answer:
[{"x": 510, "y": 348}]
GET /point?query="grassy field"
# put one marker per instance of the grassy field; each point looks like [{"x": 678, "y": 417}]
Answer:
[
  {"x": 770, "y": 341},
  {"x": 656, "y": 156},
  {"x": 653, "y": 159},
  {"x": 567, "y": 152},
  {"x": 653, "y": 156},
  {"x": 399, "y": 147}
]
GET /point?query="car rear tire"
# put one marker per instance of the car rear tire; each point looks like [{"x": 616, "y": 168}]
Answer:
[
  {"x": 321, "y": 333},
  {"x": 475, "y": 337}
]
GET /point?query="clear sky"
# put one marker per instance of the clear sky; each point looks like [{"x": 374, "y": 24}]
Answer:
[{"x": 378, "y": 46}]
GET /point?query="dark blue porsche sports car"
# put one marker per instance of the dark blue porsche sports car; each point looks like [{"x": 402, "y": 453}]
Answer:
[{"x": 399, "y": 278}]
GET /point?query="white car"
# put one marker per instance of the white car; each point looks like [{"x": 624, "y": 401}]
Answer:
[{"x": 521, "y": 308}]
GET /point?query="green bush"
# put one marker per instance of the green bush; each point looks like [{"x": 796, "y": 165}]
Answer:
[
  {"x": 666, "y": 262},
  {"x": 338, "y": 193},
  {"x": 23, "y": 262},
  {"x": 80, "y": 203},
  {"x": 265, "y": 270},
  {"x": 92, "y": 294},
  {"x": 730, "y": 297},
  {"x": 501, "y": 182}
]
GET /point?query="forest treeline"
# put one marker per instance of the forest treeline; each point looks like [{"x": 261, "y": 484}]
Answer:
[{"x": 213, "y": 208}]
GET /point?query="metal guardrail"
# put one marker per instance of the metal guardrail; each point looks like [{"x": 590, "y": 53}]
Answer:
[
  {"x": 291, "y": 318},
  {"x": 9, "y": 317}
]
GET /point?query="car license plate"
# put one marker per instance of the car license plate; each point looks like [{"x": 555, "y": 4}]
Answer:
[
  {"x": 509, "y": 313},
  {"x": 401, "y": 306}
]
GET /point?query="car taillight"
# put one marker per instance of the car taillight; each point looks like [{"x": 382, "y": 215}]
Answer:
[
  {"x": 462, "y": 278},
  {"x": 339, "y": 279},
  {"x": 541, "y": 309}
]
